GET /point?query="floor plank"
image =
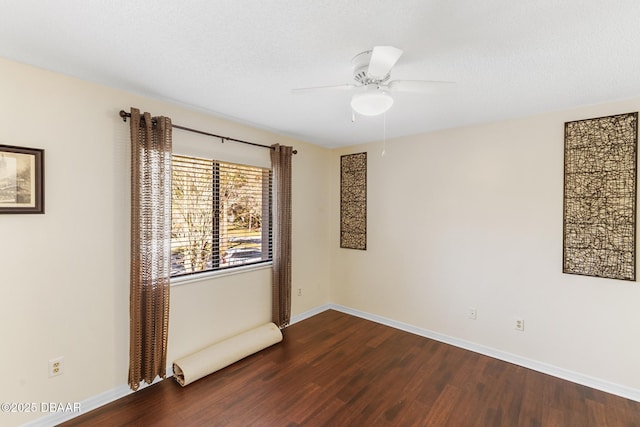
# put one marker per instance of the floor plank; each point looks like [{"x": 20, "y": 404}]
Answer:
[{"x": 338, "y": 370}]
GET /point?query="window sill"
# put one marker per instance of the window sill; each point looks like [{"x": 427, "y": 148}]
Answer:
[{"x": 208, "y": 275}]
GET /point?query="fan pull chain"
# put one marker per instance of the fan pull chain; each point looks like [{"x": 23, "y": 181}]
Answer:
[{"x": 384, "y": 135}]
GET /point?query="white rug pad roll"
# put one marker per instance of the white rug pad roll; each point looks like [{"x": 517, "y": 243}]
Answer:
[{"x": 219, "y": 355}]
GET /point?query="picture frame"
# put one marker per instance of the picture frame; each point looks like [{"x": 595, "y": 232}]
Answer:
[
  {"x": 599, "y": 208},
  {"x": 353, "y": 201},
  {"x": 21, "y": 180}
]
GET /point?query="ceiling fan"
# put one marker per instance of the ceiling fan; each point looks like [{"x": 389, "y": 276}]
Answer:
[{"x": 372, "y": 90}]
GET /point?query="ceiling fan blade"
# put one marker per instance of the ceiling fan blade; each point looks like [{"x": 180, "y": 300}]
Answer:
[
  {"x": 383, "y": 58},
  {"x": 420, "y": 86},
  {"x": 347, "y": 86}
]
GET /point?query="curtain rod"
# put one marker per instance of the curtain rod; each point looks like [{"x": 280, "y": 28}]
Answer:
[{"x": 124, "y": 116}]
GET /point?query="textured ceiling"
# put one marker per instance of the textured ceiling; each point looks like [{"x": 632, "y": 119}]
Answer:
[{"x": 240, "y": 58}]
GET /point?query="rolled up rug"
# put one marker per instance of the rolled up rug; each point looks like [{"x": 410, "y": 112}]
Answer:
[{"x": 221, "y": 354}]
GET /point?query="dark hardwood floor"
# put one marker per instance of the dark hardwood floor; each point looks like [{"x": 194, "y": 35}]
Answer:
[{"x": 338, "y": 370}]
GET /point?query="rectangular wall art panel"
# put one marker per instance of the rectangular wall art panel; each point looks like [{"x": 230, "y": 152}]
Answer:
[
  {"x": 600, "y": 169},
  {"x": 353, "y": 201}
]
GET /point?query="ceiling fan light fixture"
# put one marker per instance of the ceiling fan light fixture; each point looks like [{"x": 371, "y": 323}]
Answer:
[{"x": 371, "y": 102}]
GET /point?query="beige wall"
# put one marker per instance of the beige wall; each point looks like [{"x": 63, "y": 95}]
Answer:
[
  {"x": 472, "y": 217},
  {"x": 462, "y": 218},
  {"x": 65, "y": 275}
]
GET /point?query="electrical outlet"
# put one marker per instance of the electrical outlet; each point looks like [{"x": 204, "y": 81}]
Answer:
[
  {"x": 472, "y": 314},
  {"x": 519, "y": 325},
  {"x": 299, "y": 292},
  {"x": 55, "y": 366}
]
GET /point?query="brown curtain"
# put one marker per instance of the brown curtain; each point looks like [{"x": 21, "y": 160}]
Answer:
[
  {"x": 150, "y": 246},
  {"x": 281, "y": 276}
]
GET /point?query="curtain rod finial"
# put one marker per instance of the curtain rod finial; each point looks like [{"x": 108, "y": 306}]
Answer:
[{"x": 124, "y": 115}]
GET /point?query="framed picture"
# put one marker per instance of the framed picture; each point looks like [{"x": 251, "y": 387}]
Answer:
[
  {"x": 21, "y": 180},
  {"x": 600, "y": 180},
  {"x": 353, "y": 201}
]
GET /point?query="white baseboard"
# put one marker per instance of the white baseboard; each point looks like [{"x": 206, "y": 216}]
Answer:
[
  {"x": 121, "y": 391},
  {"x": 86, "y": 405},
  {"x": 307, "y": 314},
  {"x": 575, "y": 377},
  {"x": 91, "y": 403},
  {"x": 598, "y": 384}
]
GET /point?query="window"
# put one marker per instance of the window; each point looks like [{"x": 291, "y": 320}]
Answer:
[{"x": 220, "y": 215}]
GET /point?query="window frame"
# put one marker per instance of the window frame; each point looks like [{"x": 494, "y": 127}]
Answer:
[
  {"x": 215, "y": 274},
  {"x": 218, "y": 269}
]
